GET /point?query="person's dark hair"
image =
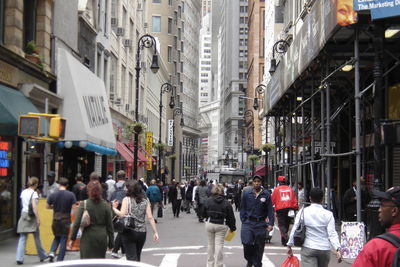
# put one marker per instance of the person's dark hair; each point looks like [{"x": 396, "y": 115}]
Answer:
[
  {"x": 63, "y": 181},
  {"x": 79, "y": 177},
  {"x": 300, "y": 183},
  {"x": 94, "y": 177},
  {"x": 135, "y": 190},
  {"x": 94, "y": 191},
  {"x": 121, "y": 175},
  {"x": 203, "y": 183},
  {"x": 316, "y": 195}
]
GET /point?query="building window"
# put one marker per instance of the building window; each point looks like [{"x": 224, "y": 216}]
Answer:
[
  {"x": 2, "y": 3},
  {"x": 170, "y": 2},
  {"x": 169, "y": 25},
  {"x": 30, "y": 7},
  {"x": 156, "y": 1},
  {"x": 123, "y": 82},
  {"x": 169, "y": 54},
  {"x": 105, "y": 70},
  {"x": 156, "y": 23},
  {"x": 105, "y": 16},
  {"x": 99, "y": 65}
]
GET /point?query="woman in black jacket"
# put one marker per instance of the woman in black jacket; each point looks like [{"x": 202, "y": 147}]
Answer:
[{"x": 220, "y": 217}]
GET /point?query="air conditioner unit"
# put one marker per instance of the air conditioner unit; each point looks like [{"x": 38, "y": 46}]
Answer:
[
  {"x": 112, "y": 97},
  {"x": 120, "y": 31},
  {"x": 145, "y": 25},
  {"x": 128, "y": 43},
  {"x": 127, "y": 107},
  {"x": 118, "y": 101},
  {"x": 114, "y": 22}
]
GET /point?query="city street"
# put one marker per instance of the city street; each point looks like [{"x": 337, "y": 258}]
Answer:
[{"x": 183, "y": 242}]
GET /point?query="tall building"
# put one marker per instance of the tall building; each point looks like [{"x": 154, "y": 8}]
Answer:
[
  {"x": 232, "y": 69},
  {"x": 175, "y": 25}
]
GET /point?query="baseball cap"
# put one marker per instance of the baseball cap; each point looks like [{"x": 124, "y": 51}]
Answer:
[
  {"x": 281, "y": 178},
  {"x": 392, "y": 194},
  {"x": 51, "y": 174}
]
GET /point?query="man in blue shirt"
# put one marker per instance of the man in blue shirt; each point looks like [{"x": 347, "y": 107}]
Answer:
[{"x": 257, "y": 216}]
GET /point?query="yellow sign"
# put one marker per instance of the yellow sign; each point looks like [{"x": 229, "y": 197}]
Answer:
[{"x": 149, "y": 150}]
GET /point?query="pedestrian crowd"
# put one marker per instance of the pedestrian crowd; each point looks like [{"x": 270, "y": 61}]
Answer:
[{"x": 113, "y": 215}]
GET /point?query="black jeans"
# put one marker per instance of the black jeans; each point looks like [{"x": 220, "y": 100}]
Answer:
[
  {"x": 133, "y": 243},
  {"x": 254, "y": 254},
  {"x": 283, "y": 224},
  {"x": 176, "y": 207}
]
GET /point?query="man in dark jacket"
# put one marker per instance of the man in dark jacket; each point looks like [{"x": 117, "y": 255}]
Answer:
[
  {"x": 219, "y": 216},
  {"x": 257, "y": 216},
  {"x": 187, "y": 200}
]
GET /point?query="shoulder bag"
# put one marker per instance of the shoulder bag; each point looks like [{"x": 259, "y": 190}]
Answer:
[
  {"x": 85, "y": 221},
  {"x": 30, "y": 206},
  {"x": 300, "y": 232},
  {"x": 125, "y": 222}
]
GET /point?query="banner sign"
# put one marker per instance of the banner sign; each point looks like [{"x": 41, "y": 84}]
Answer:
[
  {"x": 379, "y": 8},
  {"x": 149, "y": 150},
  {"x": 352, "y": 237},
  {"x": 170, "y": 132}
]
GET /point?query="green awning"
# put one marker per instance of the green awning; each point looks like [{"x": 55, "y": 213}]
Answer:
[{"x": 12, "y": 104}]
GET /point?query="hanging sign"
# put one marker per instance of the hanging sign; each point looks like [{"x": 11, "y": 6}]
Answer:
[
  {"x": 379, "y": 8},
  {"x": 170, "y": 132},
  {"x": 149, "y": 150}
]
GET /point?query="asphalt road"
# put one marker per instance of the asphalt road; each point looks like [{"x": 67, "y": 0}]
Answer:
[{"x": 183, "y": 243}]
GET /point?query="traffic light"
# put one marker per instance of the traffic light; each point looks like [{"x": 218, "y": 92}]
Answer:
[
  {"x": 57, "y": 127},
  {"x": 29, "y": 125}
]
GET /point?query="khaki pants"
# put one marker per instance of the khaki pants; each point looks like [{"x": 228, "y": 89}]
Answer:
[
  {"x": 216, "y": 235},
  {"x": 314, "y": 257}
]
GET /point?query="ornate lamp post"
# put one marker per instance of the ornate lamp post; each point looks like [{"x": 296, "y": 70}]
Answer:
[
  {"x": 146, "y": 41},
  {"x": 166, "y": 87},
  {"x": 177, "y": 111},
  {"x": 280, "y": 47},
  {"x": 236, "y": 141},
  {"x": 249, "y": 113}
]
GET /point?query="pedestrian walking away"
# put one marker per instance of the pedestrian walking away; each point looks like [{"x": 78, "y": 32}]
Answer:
[
  {"x": 153, "y": 193},
  {"x": 237, "y": 194},
  {"x": 117, "y": 193},
  {"x": 133, "y": 239},
  {"x": 219, "y": 218},
  {"x": 110, "y": 184},
  {"x": 177, "y": 194},
  {"x": 257, "y": 216},
  {"x": 61, "y": 202},
  {"x": 379, "y": 251},
  {"x": 79, "y": 189},
  {"x": 320, "y": 233},
  {"x": 100, "y": 231},
  {"x": 29, "y": 221},
  {"x": 284, "y": 200},
  {"x": 201, "y": 198}
]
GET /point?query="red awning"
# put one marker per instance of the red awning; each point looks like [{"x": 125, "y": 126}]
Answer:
[
  {"x": 125, "y": 152},
  {"x": 260, "y": 171}
]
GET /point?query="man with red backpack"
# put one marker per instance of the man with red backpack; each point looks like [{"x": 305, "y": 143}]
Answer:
[
  {"x": 284, "y": 200},
  {"x": 383, "y": 250}
]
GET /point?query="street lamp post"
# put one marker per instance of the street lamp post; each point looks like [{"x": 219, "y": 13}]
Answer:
[
  {"x": 249, "y": 113},
  {"x": 177, "y": 111},
  {"x": 258, "y": 91},
  {"x": 146, "y": 41},
  {"x": 166, "y": 87},
  {"x": 280, "y": 47}
]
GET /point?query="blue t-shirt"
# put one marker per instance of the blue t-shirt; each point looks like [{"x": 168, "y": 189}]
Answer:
[{"x": 62, "y": 201}]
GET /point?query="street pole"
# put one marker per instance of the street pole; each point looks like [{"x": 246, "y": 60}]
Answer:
[
  {"x": 166, "y": 87},
  {"x": 146, "y": 41}
]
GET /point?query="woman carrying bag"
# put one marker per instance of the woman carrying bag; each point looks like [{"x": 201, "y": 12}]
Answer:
[
  {"x": 29, "y": 221},
  {"x": 98, "y": 233},
  {"x": 320, "y": 233},
  {"x": 136, "y": 206}
]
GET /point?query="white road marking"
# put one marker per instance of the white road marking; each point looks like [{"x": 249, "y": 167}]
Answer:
[
  {"x": 170, "y": 260},
  {"x": 267, "y": 262},
  {"x": 189, "y": 253},
  {"x": 173, "y": 248}
]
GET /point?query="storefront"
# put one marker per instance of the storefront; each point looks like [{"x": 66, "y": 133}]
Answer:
[{"x": 89, "y": 135}]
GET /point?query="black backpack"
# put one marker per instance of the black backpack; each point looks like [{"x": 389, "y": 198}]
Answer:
[
  {"x": 395, "y": 241},
  {"x": 119, "y": 193}
]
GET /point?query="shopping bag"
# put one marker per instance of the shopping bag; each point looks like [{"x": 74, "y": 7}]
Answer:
[
  {"x": 229, "y": 235},
  {"x": 291, "y": 261}
]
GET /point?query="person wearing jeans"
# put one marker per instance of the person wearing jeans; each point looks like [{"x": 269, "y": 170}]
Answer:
[
  {"x": 61, "y": 202},
  {"x": 219, "y": 218},
  {"x": 29, "y": 223}
]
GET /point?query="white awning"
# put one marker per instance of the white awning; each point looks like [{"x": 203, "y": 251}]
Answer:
[{"x": 85, "y": 104}]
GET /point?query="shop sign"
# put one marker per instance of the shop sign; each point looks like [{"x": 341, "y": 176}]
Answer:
[
  {"x": 149, "y": 150},
  {"x": 6, "y": 73},
  {"x": 170, "y": 132},
  {"x": 4, "y": 162},
  {"x": 379, "y": 8}
]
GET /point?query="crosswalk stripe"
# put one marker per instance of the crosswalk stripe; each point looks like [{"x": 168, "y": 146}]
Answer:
[
  {"x": 173, "y": 248},
  {"x": 170, "y": 260},
  {"x": 267, "y": 262}
]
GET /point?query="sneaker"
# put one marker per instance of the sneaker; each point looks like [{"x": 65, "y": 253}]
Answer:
[
  {"x": 19, "y": 263},
  {"x": 47, "y": 257},
  {"x": 115, "y": 255},
  {"x": 51, "y": 257}
]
